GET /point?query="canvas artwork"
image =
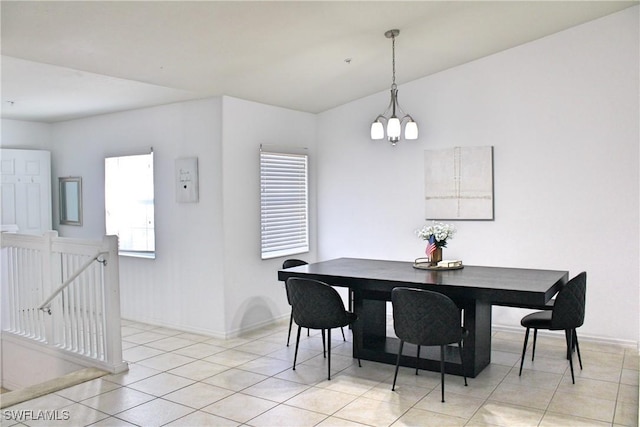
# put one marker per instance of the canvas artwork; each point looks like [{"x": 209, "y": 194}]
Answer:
[{"x": 458, "y": 183}]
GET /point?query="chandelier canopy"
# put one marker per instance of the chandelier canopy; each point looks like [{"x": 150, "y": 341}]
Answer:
[{"x": 390, "y": 115}]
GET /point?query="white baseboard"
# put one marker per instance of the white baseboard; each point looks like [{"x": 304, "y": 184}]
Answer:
[
  {"x": 582, "y": 337},
  {"x": 177, "y": 327},
  {"x": 285, "y": 317},
  {"x": 210, "y": 333},
  {"x": 276, "y": 320}
]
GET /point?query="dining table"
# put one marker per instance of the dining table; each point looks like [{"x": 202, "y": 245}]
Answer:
[{"x": 474, "y": 289}]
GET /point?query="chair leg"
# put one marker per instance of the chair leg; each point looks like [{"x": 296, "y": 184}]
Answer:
[
  {"x": 295, "y": 355},
  {"x": 343, "y": 337},
  {"x": 442, "y": 369},
  {"x": 569, "y": 335},
  {"x": 568, "y": 332},
  {"x": 393, "y": 387},
  {"x": 575, "y": 340},
  {"x": 290, "y": 324},
  {"x": 535, "y": 338},
  {"x": 524, "y": 350},
  {"x": 464, "y": 375},
  {"x": 324, "y": 347},
  {"x": 329, "y": 354},
  {"x": 417, "y": 360}
]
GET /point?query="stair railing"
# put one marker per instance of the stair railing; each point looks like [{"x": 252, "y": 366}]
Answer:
[{"x": 83, "y": 319}]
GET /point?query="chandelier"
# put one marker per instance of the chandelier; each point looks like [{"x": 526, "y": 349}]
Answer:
[{"x": 394, "y": 124}]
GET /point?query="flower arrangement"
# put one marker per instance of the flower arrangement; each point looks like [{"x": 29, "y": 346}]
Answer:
[{"x": 437, "y": 233}]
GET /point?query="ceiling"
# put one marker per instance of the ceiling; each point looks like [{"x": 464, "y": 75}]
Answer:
[{"x": 65, "y": 60}]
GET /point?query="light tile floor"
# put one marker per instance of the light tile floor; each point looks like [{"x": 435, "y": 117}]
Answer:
[{"x": 183, "y": 379}]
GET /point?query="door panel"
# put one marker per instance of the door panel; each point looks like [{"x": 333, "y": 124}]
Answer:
[
  {"x": 26, "y": 190},
  {"x": 8, "y": 203}
]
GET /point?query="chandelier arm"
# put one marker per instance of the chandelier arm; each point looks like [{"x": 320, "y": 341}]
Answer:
[
  {"x": 399, "y": 108},
  {"x": 402, "y": 115},
  {"x": 386, "y": 111}
]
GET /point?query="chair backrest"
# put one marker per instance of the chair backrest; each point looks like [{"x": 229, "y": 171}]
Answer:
[
  {"x": 569, "y": 308},
  {"x": 288, "y": 263},
  {"x": 424, "y": 317},
  {"x": 293, "y": 263},
  {"x": 315, "y": 304}
]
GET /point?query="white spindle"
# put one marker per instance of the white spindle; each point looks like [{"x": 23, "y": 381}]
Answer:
[{"x": 11, "y": 286}]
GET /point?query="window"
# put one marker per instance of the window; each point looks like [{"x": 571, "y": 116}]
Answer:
[
  {"x": 129, "y": 203},
  {"x": 283, "y": 204}
]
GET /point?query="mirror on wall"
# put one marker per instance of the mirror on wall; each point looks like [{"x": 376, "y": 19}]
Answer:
[{"x": 70, "y": 200}]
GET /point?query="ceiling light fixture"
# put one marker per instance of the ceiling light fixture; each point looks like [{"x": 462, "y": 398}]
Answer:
[{"x": 394, "y": 124}]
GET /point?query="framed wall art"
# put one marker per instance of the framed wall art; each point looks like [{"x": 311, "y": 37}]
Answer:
[{"x": 458, "y": 183}]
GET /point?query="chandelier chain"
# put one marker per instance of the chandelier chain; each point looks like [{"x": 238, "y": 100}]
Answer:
[{"x": 393, "y": 58}]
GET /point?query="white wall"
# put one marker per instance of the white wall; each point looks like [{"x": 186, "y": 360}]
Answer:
[
  {"x": 207, "y": 276},
  {"x": 184, "y": 286},
  {"x": 562, "y": 114},
  {"x": 25, "y": 135},
  {"x": 253, "y": 294}
]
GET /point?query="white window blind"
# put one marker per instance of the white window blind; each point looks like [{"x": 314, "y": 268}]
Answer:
[{"x": 283, "y": 204}]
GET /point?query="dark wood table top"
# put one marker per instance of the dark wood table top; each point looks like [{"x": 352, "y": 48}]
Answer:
[{"x": 497, "y": 285}]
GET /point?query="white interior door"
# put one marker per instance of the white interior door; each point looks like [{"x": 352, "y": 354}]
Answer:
[{"x": 25, "y": 191}]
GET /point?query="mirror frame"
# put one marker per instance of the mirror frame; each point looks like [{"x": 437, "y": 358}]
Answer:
[{"x": 67, "y": 192}]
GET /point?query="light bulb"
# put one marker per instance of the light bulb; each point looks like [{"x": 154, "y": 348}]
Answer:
[
  {"x": 393, "y": 128},
  {"x": 377, "y": 131},
  {"x": 411, "y": 130}
]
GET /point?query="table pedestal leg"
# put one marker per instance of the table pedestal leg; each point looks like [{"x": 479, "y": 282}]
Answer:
[{"x": 374, "y": 344}]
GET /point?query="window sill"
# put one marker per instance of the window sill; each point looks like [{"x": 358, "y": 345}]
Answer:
[{"x": 133, "y": 254}]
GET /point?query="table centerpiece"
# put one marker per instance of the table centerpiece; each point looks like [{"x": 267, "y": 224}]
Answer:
[{"x": 436, "y": 234}]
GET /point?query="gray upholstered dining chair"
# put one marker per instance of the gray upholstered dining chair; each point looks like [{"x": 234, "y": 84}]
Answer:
[
  {"x": 316, "y": 305},
  {"x": 426, "y": 318},
  {"x": 567, "y": 314},
  {"x": 289, "y": 263}
]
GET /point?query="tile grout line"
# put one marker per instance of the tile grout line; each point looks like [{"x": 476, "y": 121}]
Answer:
[{"x": 271, "y": 335}]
